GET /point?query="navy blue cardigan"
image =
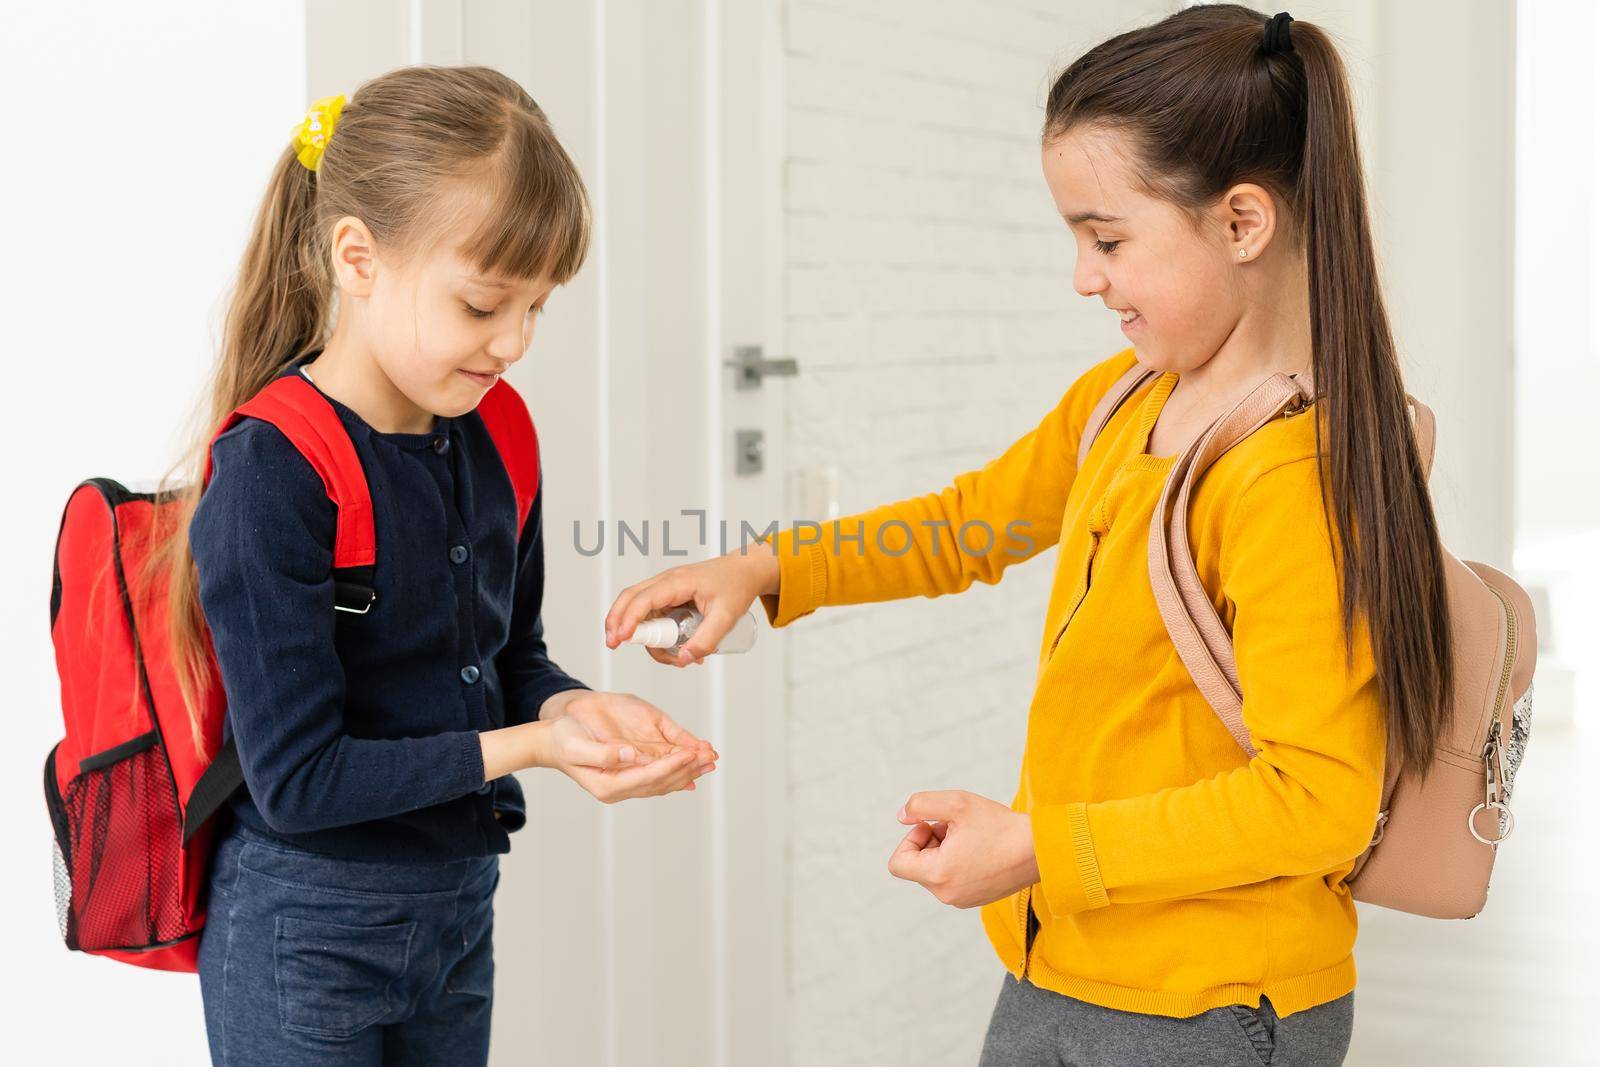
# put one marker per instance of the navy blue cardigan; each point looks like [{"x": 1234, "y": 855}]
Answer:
[{"x": 358, "y": 734}]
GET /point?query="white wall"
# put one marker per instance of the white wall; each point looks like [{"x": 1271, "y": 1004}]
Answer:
[
  {"x": 140, "y": 139},
  {"x": 1558, "y": 262},
  {"x": 1558, "y": 335},
  {"x": 1442, "y": 122}
]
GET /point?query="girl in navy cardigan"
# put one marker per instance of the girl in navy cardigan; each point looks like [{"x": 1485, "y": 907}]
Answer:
[{"x": 352, "y": 893}]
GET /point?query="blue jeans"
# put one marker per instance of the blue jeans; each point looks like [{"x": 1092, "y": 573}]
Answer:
[{"x": 311, "y": 959}]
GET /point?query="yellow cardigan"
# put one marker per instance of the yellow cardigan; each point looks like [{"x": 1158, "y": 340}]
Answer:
[{"x": 1176, "y": 875}]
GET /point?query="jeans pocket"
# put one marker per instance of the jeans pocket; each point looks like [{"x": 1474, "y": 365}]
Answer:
[
  {"x": 1258, "y": 1029},
  {"x": 473, "y": 973},
  {"x": 334, "y": 980}
]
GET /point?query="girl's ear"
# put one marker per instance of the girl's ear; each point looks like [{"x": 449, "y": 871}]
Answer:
[
  {"x": 354, "y": 262},
  {"x": 1251, "y": 218}
]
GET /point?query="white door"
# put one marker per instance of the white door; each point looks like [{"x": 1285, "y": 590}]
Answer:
[{"x": 652, "y": 932}]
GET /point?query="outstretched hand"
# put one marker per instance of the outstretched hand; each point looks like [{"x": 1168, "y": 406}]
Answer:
[
  {"x": 721, "y": 589},
  {"x": 617, "y": 746},
  {"x": 965, "y": 849}
]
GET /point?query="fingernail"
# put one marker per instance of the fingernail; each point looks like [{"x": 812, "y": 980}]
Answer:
[
  {"x": 901, "y": 814},
  {"x": 627, "y": 753}
]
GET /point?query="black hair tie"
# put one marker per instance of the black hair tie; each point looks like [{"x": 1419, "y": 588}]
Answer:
[{"x": 1275, "y": 35}]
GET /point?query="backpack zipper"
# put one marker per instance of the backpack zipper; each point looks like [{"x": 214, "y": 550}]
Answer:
[
  {"x": 1494, "y": 767},
  {"x": 1511, "y": 656}
]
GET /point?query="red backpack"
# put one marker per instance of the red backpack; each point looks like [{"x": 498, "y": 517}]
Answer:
[{"x": 129, "y": 791}]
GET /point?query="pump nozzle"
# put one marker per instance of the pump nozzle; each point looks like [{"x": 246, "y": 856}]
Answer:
[{"x": 655, "y": 633}]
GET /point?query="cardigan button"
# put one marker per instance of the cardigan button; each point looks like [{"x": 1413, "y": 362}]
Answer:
[
  {"x": 469, "y": 674},
  {"x": 441, "y": 444},
  {"x": 458, "y": 553}
]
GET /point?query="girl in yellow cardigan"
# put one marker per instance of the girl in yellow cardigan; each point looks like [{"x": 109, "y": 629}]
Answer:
[{"x": 1156, "y": 896}]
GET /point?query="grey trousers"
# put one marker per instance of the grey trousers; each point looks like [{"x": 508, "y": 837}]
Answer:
[{"x": 1034, "y": 1027}]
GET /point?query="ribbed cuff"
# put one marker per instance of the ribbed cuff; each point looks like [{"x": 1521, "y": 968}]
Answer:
[
  {"x": 802, "y": 579},
  {"x": 1068, "y": 871},
  {"x": 472, "y": 773}
]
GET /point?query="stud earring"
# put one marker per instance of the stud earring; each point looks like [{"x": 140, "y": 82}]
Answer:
[{"x": 1243, "y": 253}]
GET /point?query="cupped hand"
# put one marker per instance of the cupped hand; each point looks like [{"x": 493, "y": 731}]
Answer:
[{"x": 618, "y": 746}]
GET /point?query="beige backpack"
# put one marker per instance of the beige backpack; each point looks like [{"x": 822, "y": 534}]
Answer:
[{"x": 1434, "y": 844}]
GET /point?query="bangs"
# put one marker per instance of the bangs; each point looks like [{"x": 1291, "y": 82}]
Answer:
[{"x": 531, "y": 209}]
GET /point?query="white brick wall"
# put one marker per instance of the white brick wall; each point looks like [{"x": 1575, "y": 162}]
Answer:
[{"x": 929, "y": 300}]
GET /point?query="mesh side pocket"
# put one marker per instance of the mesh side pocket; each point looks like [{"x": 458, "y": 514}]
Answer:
[
  {"x": 60, "y": 839},
  {"x": 120, "y": 865},
  {"x": 1521, "y": 727},
  {"x": 63, "y": 880}
]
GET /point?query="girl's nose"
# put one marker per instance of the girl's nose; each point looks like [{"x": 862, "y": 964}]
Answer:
[
  {"x": 509, "y": 345},
  {"x": 1088, "y": 279}
]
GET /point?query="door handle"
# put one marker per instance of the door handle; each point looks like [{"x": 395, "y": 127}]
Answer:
[{"x": 751, "y": 367}]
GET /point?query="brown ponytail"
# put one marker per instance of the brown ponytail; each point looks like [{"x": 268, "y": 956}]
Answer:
[
  {"x": 415, "y": 151},
  {"x": 1205, "y": 108}
]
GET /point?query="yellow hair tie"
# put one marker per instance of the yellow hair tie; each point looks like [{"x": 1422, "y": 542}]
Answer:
[{"x": 311, "y": 136}]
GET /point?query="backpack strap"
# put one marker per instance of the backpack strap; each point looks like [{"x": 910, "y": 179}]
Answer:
[
  {"x": 1120, "y": 391},
  {"x": 506, "y": 416},
  {"x": 1197, "y": 632},
  {"x": 306, "y": 418},
  {"x": 1422, "y": 417},
  {"x": 301, "y": 414},
  {"x": 1203, "y": 642},
  {"x": 1426, "y": 431},
  {"x": 217, "y": 782}
]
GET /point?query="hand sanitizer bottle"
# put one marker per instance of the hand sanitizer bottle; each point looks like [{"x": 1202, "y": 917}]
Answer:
[{"x": 673, "y": 628}]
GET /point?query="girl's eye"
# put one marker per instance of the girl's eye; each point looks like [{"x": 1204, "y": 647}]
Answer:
[
  {"x": 1106, "y": 247},
  {"x": 479, "y": 313}
]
